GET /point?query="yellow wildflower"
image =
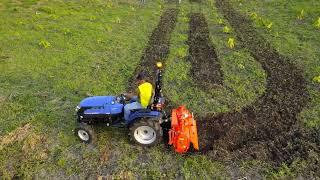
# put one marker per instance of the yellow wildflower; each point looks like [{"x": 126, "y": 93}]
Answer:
[
  {"x": 254, "y": 15},
  {"x": 44, "y": 43},
  {"x": 231, "y": 43},
  {"x": 226, "y": 29},
  {"x": 317, "y": 23},
  {"x": 316, "y": 79},
  {"x": 269, "y": 25},
  {"x": 241, "y": 66},
  {"x": 301, "y": 15}
]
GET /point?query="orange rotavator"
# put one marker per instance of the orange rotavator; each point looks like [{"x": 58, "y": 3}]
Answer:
[{"x": 183, "y": 130}]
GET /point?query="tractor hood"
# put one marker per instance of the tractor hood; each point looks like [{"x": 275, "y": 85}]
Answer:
[{"x": 97, "y": 101}]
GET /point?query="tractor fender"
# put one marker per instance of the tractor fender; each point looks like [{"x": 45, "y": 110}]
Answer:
[{"x": 153, "y": 115}]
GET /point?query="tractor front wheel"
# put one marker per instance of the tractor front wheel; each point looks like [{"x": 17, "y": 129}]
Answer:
[
  {"x": 146, "y": 132},
  {"x": 85, "y": 133}
]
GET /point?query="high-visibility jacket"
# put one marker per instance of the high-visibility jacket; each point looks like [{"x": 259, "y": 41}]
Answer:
[{"x": 145, "y": 93}]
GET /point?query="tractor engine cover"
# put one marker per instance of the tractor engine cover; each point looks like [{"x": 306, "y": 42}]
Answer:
[{"x": 183, "y": 130}]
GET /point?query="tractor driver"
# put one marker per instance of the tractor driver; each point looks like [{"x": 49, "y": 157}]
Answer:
[{"x": 143, "y": 95}]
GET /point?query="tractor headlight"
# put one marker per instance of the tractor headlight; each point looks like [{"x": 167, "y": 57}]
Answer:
[{"x": 77, "y": 108}]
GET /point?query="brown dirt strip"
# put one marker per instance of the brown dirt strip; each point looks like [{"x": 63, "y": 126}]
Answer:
[
  {"x": 158, "y": 46},
  {"x": 268, "y": 129},
  {"x": 206, "y": 69}
]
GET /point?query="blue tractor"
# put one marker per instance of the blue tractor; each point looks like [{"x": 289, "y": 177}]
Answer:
[{"x": 144, "y": 124}]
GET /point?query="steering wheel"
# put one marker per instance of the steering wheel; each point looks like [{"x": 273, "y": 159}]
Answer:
[{"x": 121, "y": 99}]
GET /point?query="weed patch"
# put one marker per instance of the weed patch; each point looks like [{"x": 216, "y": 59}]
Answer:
[
  {"x": 36, "y": 146},
  {"x": 17, "y": 135}
]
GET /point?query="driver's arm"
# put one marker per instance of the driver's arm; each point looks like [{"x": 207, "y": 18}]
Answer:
[{"x": 130, "y": 95}]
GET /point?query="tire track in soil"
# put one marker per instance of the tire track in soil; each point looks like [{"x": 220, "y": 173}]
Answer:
[
  {"x": 158, "y": 46},
  {"x": 268, "y": 129},
  {"x": 206, "y": 69}
]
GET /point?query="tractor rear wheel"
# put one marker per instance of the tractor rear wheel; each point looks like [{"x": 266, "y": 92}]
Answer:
[
  {"x": 85, "y": 133},
  {"x": 146, "y": 132}
]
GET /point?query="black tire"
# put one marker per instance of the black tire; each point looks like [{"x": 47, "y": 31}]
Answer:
[
  {"x": 139, "y": 128},
  {"x": 85, "y": 133}
]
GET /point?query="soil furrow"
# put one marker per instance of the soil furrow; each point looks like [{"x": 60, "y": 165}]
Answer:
[
  {"x": 267, "y": 129},
  {"x": 206, "y": 69},
  {"x": 158, "y": 46}
]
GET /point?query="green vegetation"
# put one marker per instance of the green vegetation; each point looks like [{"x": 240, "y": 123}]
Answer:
[
  {"x": 244, "y": 78},
  {"x": 54, "y": 53},
  {"x": 294, "y": 33},
  {"x": 199, "y": 166}
]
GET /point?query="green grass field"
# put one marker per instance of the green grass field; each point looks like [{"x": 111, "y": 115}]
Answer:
[
  {"x": 294, "y": 32},
  {"x": 55, "y": 53}
]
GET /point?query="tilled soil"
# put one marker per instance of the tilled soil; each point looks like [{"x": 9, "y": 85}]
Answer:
[
  {"x": 268, "y": 129},
  {"x": 206, "y": 69},
  {"x": 158, "y": 46}
]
